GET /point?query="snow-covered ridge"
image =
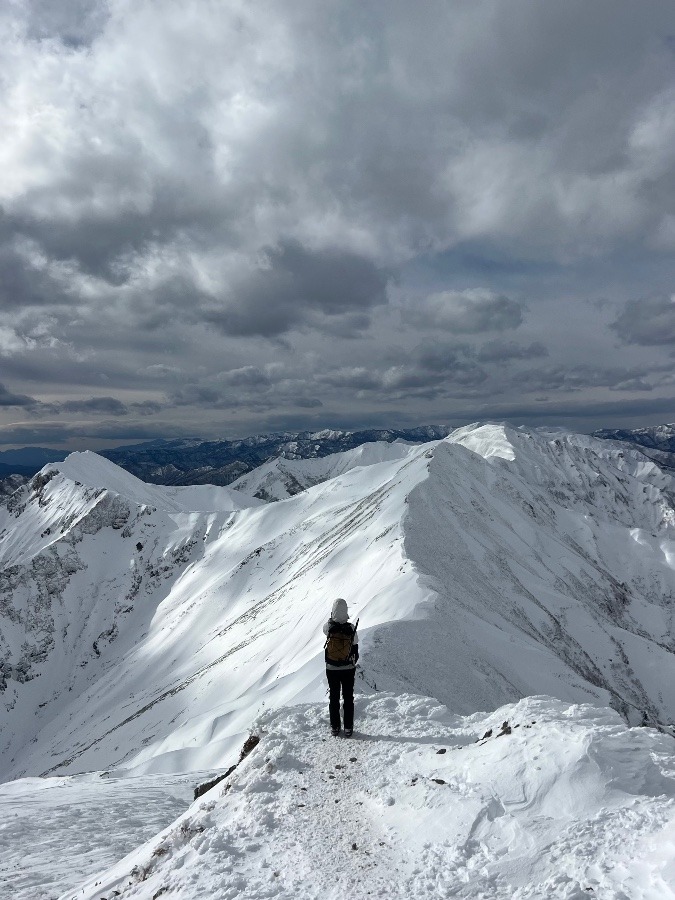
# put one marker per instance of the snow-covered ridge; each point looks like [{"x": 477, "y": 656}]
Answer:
[
  {"x": 486, "y": 566},
  {"x": 96, "y": 472},
  {"x": 279, "y": 479}
]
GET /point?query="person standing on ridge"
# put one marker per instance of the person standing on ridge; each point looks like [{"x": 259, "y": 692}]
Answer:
[{"x": 342, "y": 653}]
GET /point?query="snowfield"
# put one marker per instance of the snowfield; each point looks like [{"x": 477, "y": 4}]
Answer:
[
  {"x": 555, "y": 801},
  {"x": 143, "y": 630},
  {"x": 56, "y": 831}
]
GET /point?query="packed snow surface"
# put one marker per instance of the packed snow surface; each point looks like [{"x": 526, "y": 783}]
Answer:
[{"x": 538, "y": 799}]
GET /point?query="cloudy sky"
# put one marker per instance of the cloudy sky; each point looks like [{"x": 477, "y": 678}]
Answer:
[{"x": 223, "y": 217}]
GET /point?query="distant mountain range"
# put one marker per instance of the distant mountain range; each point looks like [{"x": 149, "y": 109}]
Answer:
[
  {"x": 193, "y": 461},
  {"x": 657, "y": 441}
]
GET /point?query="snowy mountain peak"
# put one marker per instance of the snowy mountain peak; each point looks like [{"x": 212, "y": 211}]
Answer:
[
  {"x": 486, "y": 440},
  {"x": 281, "y": 478},
  {"x": 96, "y": 472}
]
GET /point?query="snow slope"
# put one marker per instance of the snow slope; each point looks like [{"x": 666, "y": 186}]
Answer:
[
  {"x": 279, "y": 479},
  {"x": 553, "y": 558},
  {"x": 56, "y": 831},
  {"x": 145, "y": 638},
  {"x": 539, "y": 799},
  {"x": 484, "y": 567}
]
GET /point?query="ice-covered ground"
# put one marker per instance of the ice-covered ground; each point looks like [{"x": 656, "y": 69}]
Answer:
[{"x": 539, "y": 799}]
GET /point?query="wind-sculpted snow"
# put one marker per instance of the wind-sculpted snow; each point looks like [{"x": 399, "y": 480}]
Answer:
[
  {"x": 143, "y": 634},
  {"x": 57, "y": 831},
  {"x": 538, "y": 799}
]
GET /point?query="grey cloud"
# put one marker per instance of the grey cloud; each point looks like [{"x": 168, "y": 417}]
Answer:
[
  {"x": 195, "y": 395},
  {"x": 504, "y": 351},
  {"x": 445, "y": 131},
  {"x": 356, "y": 378},
  {"x": 462, "y": 374},
  {"x": 268, "y": 170},
  {"x": 250, "y": 388},
  {"x": 438, "y": 356},
  {"x": 105, "y": 370},
  {"x": 294, "y": 285},
  {"x": 23, "y": 284},
  {"x": 649, "y": 322},
  {"x": 109, "y": 406},
  {"x": 160, "y": 370},
  {"x": 431, "y": 368},
  {"x": 470, "y": 311},
  {"x": 74, "y": 22},
  {"x": 246, "y": 376},
  {"x": 203, "y": 396},
  {"x": 586, "y": 416},
  {"x": 437, "y": 361},
  {"x": 106, "y": 405},
  {"x": 77, "y": 433},
  {"x": 632, "y": 384},
  {"x": 348, "y": 325},
  {"x": 569, "y": 378},
  {"x": 7, "y": 398},
  {"x": 146, "y": 407}
]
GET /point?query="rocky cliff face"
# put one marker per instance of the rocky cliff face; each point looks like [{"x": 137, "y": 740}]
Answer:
[{"x": 10, "y": 484}]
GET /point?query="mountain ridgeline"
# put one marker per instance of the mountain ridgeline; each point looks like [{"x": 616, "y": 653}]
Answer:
[
  {"x": 144, "y": 627},
  {"x": 220, "y": 462},
  {"x": 192, "y": 461}
]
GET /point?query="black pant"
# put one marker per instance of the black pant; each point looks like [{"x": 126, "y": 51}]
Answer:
[{"x": 341, "y": 678}]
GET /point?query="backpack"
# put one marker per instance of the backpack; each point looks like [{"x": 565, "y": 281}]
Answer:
[{"x": 339, "y": 643}]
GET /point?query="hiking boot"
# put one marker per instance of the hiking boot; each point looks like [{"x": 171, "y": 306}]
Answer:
[
  {"x": 335, "y": 732},
  {"x": 348, "y": 732}
]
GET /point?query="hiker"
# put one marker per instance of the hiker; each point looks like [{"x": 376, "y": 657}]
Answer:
[{"x": 342, "y": 653}]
